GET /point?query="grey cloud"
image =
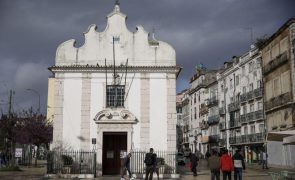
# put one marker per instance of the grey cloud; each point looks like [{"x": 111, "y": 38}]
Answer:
[{"x": 208, "y": 31}]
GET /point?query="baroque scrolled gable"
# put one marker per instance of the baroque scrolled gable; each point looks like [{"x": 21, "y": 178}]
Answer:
[{"x": 138, "y": 47}]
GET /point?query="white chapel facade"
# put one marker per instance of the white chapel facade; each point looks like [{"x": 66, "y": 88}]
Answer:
[{"x": 131, "y": 106}]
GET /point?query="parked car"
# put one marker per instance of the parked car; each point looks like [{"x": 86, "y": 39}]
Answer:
[{"x": 180, "y": 159}]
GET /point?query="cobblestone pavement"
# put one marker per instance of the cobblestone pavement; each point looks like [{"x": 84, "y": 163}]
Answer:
[{"x": 252, "y": 172}]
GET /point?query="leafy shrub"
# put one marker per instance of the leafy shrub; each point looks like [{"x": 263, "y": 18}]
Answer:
[{"x": 160, "y": 161}]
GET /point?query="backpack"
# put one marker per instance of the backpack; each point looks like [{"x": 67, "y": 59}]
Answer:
[{"x": 148, "y": 159}]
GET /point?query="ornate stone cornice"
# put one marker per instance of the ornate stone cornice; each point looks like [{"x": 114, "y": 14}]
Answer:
[
  {"x": 101, "y": 69},
  {"x": 115, "y": 116}
]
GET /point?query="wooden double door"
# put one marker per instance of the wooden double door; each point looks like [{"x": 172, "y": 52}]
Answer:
[{"x": 114, "y": 147}]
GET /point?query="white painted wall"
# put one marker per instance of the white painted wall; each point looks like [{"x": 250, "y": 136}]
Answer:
[
  {"x": 133, "y": 102},
  {"x": 72, "y": 110},
  {"x": 158, "y": 111},
  {"x": 97, "y": 100}
]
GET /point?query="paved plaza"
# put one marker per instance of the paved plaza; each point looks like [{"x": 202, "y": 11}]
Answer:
[{"x": 253, "y": 172}]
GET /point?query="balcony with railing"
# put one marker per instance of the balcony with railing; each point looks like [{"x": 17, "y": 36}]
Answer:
[
  {"x": 203, "y": 110},
  {"x": 222, "y": 110},
  {"x": 258, "y": 92},
  {"x": 222, "y": 126},
  {"x": 234, "y": 122},
  {"x": 275, "y": 63},
  {"x": 214, "y": 139},
  {"x": 250, "y": 95},
  {"x": 204, "y": 125},
  {"x": 222, "y": 142},
  {"x": 252, "y": 116},
  {"x": 259, "y": 115},
  {"x": 248, "y": 139},
  {"x": 243, "y": 98},
  {"x": 232, "y": 140},
  {"x": 213, "y": 120},
  {"x": 213, "y": 101},
  {"x": 278, "y": 101},
  {"x": 234, "y": 106},
  {"x": 243, "y": 118}
]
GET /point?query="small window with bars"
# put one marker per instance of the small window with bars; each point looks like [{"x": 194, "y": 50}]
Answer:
[{"x": 115, "y": 95}]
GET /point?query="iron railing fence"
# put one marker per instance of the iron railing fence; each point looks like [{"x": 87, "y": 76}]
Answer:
[
  {"x": 166, "y": 162},
  {"x": 248, "y": 138},
  {"x": 71, "y": 162}
]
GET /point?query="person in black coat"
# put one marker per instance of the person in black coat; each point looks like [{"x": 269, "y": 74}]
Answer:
[
  {"x": 194, "y": 160},
  {"x": 150, "y": 161}
]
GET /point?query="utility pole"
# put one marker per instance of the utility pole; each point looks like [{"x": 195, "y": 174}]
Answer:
[
  {"x": 10, "y": 104},
  {"x": 12, "y": 145}
]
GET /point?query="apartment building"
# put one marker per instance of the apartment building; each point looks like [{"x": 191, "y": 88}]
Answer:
[
  {"x": 186, "y": 116},
  {"x": 229, "y": 107},
  {"x": 213, "y": 115},
  {"x": 241, "y": 105},
  {"x": 199, "y": 96},
  {"x": 279, "y": 79}
]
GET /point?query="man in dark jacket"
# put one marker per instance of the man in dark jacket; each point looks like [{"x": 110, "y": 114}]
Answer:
[
  {"x": 150, "y": 161},
  {"x": 126, "y": 166},
  {"x": 213, "y": 163},
  {"x": 194, "y": 160},
  {"x": 239, "y": 165}
]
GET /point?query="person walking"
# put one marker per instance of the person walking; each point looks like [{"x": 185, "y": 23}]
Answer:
[
  {"x": 150, "y": 161},
  {"x": 126, "y": 166},
  {"x": 226, "y": 165},
  {"x": 239, "y": 165},
  {"x": 194, "y": 161},
  {"x": 213, "y": 163},
  {"x": 264, "y": 160}
]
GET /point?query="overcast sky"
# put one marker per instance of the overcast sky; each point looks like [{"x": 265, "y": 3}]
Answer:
[{"x": 201, "y": 31}]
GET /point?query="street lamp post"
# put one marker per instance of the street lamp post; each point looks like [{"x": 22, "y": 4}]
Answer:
[{"x": 38, "y": 98}]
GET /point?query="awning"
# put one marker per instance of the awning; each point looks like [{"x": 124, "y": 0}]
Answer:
[{"x": 281, "y": 136}]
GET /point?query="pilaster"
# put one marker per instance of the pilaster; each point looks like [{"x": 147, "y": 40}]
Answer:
[
  {"x": 145, "y": 111},
  {"x": 58, "y": 109},
  {"x": 85, "y": 111},
  {"x": 171, "y": 112}
]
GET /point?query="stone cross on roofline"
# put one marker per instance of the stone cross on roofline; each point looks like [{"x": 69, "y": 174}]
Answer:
[{"x": 117, "y": 2}]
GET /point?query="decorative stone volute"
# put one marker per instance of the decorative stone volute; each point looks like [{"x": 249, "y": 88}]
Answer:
[{"x": 115, "y": 116}]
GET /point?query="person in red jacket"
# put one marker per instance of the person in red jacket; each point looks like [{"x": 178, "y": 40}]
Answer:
[{"x": 226, "y": 165}]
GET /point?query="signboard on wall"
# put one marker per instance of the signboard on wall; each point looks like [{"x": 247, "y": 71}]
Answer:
[{"x": 18, "y": 152}]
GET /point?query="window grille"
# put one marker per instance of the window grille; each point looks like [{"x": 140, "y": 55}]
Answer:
[{"x": 115, "y": 95}]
